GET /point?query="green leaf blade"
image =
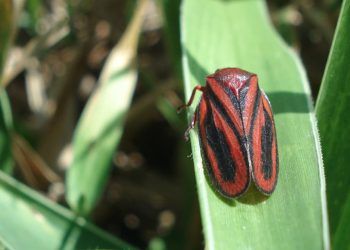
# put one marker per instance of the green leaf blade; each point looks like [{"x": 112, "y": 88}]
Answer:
[
  {"x": 30, "y": 221},
  {"x": 332, "y": 112},
  {"x": 101, "y": 125},
  {"x": 6, "y": 31},
  {"x": 6, "y": 160},
  {"x": 99, "y": 131},
  {"x": 217, "y": 34}
]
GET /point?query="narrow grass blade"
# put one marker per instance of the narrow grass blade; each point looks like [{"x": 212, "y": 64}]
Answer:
[
  {"x": 332, "y": 112},
  {"x": 6, "y": 31},
  {"x": 30, "y": 221},
  {"x": 6, "y": 161},
  {"x": 172, "y": 31},
  {"x": 101, "y": 124},
  {"x": 217, "y": 34}
]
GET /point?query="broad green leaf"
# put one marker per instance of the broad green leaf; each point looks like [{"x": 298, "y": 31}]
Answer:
[
  {"x": 101, "y": 125},
  {"x": 217, "y": 34},
  {"x": 30, "y": 221},
  {"x": 332, "y": 112},
  {"x": 6, "y": 30}
]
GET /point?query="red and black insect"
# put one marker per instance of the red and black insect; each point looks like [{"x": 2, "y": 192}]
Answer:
[{"x": 237, "y": 132}]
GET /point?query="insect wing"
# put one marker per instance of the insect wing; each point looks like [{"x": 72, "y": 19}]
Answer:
[
  {"x": 222, "y": 145},
  {"x": 262, "y": 143}
]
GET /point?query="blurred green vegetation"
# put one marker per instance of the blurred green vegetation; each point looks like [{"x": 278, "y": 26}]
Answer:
[{"x": 91, "y": 148}]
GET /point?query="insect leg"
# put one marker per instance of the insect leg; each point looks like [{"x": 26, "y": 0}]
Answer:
[
  {"x": 191, "y": 126},
  {"x": 198, "y": 87}
]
